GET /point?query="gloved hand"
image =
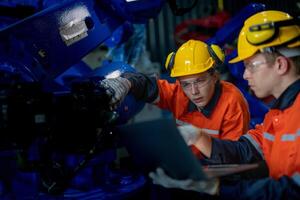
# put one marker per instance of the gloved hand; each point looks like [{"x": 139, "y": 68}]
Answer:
[
  {"x": 210, "y": 186},
  {"x": 117, "y": 89},
  {"x": 190, "y": 133}
]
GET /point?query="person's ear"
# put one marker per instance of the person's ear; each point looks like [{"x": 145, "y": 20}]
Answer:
[{"x": 282, "y": 64}]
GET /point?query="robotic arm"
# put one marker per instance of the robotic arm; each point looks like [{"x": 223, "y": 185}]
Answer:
[{"x": 50, "y": 108}]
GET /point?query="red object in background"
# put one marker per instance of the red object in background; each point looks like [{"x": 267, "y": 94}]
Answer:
[{"x": 200, "y": 29}]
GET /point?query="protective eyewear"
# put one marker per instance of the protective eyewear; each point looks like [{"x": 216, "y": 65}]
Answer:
[
  {"x": 199, "y": 82},
  {"x": 253, "y": 67}
]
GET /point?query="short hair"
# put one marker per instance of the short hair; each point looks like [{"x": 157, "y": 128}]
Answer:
[
  {"x": 296, "y": 61},
  {"x": 271, "y": 57}
]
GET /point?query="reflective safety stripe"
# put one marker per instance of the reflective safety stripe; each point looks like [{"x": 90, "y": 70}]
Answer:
[
  {"x": 254, "y": 143},
  {"x": 210, "y": 131},
  {"x": 268, "y": 136},
  {"x": 288, "y": 137},
  {"x": 296, "y": 178},
  {"x": 181, "y": 123}
]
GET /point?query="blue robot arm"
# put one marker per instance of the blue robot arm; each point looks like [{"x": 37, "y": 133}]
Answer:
[{"x": 47, "y": 92}]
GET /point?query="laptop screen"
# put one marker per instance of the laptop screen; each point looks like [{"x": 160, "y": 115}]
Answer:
[{"x": 158, "y": 143}]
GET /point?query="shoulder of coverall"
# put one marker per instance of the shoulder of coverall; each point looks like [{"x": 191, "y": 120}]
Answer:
[
  {"x": 233, "y": 93},
  {"x": 168, "y": 90},
  {"x": 285, "y": 101}
]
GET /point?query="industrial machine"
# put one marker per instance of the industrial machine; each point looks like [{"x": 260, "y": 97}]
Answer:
[
  {"x": 56, "y": 138},
  {"x": 55, "y": 123}
]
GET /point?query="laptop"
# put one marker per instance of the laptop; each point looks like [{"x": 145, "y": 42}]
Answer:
[{"x": 158, "y": 143}]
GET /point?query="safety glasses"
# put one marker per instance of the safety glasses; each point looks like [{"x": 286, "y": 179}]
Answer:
[
  {"x": 199, "y": 82},
  {"x": 254, "y": 66}
]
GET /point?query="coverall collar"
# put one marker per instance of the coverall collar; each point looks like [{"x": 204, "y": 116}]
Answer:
[
  {"x": 288, "y": 97},
  {"x": 207, "y": 110}
]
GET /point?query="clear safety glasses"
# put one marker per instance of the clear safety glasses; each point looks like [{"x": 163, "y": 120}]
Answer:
[
  {"x": 199, "y": 82},
  {"x": 254, "y": 66}
]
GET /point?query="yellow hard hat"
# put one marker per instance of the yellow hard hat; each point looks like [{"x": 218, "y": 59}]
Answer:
[
  {"x": 194, "y": 57},
  {"x": 267, "y": 29}
]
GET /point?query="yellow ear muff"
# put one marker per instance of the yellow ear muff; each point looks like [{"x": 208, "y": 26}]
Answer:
[
  {"x": 216, "y": 53},
  {"x": 170, "y": 61},
  {"x": 261, "y": 33}
]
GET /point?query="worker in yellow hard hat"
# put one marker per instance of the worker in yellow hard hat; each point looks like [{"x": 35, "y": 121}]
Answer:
[
  {"x": 269, "y": 45},
  {"x": 197, "y": 99}
]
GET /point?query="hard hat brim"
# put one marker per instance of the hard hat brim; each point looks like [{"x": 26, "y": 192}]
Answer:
[{"x": 235, "y": 60}]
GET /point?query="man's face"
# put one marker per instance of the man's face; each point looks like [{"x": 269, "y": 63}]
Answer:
[
  {"x": 199, "y": 88},
  {"x": 260, "y": 75}
]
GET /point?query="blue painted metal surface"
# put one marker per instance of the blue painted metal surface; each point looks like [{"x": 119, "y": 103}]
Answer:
[
  {"x": 46, "y": 48},
  {"x": 51, "y": 41},
  {"x": 96, "y": 181},
  {"x": 137, "y": 11},
  {"x": 120, "y": 35},
  {"x": 13, "y": 3}
]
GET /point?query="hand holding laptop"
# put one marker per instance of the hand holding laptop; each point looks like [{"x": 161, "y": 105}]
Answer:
[
  {"x": 159, "y": 143},
  {"x": 210, "y": 186}
]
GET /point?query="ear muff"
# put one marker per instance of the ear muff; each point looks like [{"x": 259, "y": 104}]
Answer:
[
  {"x": 216, "y": 53},
  {"x": 266, "y": 32},
  {"x": 261, "y": 33},
  {"x": 170, "y": 61}
]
